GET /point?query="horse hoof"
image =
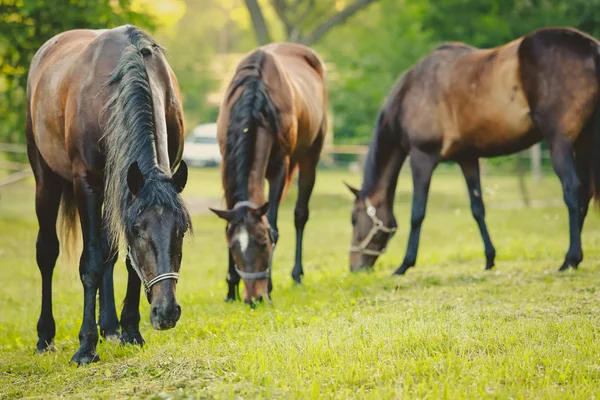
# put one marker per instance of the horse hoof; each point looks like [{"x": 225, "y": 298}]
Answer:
[
  {"x": 45, "y": 347},
  {"x": 489, "y": 267},
  {"x": 297, "y": 279},
  {"x": 401, "y": 270},
  {"x": 84, "y": 357},
  {"x": 113, "y": 337},
  {"x": 132, "y": 338},
  {"x": 566, "y": 266},
  {"x": 229, "y": 300}
]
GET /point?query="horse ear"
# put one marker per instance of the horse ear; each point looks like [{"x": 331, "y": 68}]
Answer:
[
  {"x": 180, "y": 177},
  {"x": 262, "y": 210},
  {"x": 354, "y": 190},
  {"x": 135, "y": 179},
  {"x": 227, "y": 215}
]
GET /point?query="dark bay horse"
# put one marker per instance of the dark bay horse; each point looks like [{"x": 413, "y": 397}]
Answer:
[
  {"x": 105, "y": 128},
  {"x": 460, "y": 103},
  {"x": 272, "y": 120}
]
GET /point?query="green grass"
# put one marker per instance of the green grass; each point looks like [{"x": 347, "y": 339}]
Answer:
[{"x": 446, "y": 329}]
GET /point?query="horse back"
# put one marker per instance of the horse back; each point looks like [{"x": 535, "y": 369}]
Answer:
[
  {"x": 299, "y": 90},
  {"x": 50, "y": 76},
  {"x": 468, "y": 101},
  {"x": 67, "y": 98}
]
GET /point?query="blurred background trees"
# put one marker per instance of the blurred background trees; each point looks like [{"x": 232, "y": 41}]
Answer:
[{"x": 367, "y": 44}]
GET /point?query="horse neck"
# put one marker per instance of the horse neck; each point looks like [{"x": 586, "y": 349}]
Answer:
[
  {"x": 384, "y": 160},
  {"x": 257, "y": 174},
  {"x": 256, "y": 179}
]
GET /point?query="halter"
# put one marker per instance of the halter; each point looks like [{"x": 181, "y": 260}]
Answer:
[
  {"x": 249, "y": 276},
  {"x": 148, "y": 284},
  {"x": 377, "y": 227}
]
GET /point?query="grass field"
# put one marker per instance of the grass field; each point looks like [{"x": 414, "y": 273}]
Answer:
[{"x": 447, "y": 329}]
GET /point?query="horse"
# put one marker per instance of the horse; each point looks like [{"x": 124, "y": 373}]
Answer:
[
  {"x": 460, "y": 103},
  {"x": 272, "y": 121},
  {"x": 104, "y": 134}
]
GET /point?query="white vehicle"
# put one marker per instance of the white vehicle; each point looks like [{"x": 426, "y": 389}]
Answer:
[{"x": 201, "y": 147}]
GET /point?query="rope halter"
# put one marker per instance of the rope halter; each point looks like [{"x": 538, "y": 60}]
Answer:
[
  {"x": 148, "y": 284},
  {"x": 377, "y": 227}
]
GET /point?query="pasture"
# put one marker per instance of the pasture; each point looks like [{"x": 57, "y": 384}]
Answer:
[{"x": 447, "y": 329}]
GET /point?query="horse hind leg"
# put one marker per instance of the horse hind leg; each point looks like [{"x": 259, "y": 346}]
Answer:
[
  {"x": 563, "y": 162},
  {"x": 49, "y": 189},
  {"x": 471, "y": 172},
  {"x": 306, "y": 183}
]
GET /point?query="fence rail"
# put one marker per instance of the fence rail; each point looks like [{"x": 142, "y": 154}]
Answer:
[{"x": 22, "y": 170}]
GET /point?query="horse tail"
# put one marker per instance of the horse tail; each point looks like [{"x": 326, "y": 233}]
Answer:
[
  {"x": 254, "y": 108},
  {"x": 68, "y": 219},
  {"x": 596, "y": 157}
]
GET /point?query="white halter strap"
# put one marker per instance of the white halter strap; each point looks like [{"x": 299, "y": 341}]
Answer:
[
  {"x": 148, "y": 284},
  {"x": 377, "y": 227}
]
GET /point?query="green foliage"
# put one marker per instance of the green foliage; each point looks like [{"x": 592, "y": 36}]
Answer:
[
  {"x": 366, "y": 57},
  {"x": 24, "y": 27}
]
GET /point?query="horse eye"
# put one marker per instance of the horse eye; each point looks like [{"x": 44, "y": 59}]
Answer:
[
  {"x": 353, "y": 220},
  {"x": 136, "y": 231}
]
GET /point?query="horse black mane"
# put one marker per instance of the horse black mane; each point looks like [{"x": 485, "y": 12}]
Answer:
[
  {"x": 386, "y": 137},
  {"x": 130, "y": 137},
  {"x": 254, "y": 108}
]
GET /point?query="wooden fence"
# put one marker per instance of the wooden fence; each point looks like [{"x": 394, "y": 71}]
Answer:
[{"x": 18, "y": 170}]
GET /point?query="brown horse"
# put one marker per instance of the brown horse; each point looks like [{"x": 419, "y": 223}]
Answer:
[
  {"x": 272, "y": 120},
  {"x": 105, "y": 127},
  {"x": 461, "y": 103}
]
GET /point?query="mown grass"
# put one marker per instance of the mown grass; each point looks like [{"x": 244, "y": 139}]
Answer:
[{"x": 447, "y": 329}]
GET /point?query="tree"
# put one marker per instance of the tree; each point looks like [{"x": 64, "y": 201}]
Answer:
[
  {"x": 26, "y": 25},
  {"x": 304, "y": 21}
]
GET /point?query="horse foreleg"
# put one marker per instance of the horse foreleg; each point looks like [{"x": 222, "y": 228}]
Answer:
[
  {"x": 306, "y": 183},
  {"x": 276, "y": 186},
  {"x": 470, "y": 170},
  {"x": 90, "y": 267},
  {"x": 109, "y": 322},
  {"x": 422, "y": 167},
  {"x": 130, "y": 315},
  {"x": 233, "y": 281},
  {"x": 563, "y": 162}
]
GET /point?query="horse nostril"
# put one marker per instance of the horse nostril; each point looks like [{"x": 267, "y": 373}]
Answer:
[
  {"x": 154, "y": 312},
  {"x": 178, "y": 310}
]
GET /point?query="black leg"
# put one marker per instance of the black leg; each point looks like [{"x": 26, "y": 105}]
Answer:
[
  {"x": 233, "y": 281},
  {"x": 306, "y": 182},
  {"x": 584, "y": 168},
  {"x": 422, "y": 166},
  {"x": 470, "y": 170},
  {"x": 130, "y": 315},
  {"x": 561, "y": 154},
  {"x": 276, "y": 186},
  {"x": 90, "y": 267},
  {"x": 109, "y": 323},
  {"x": 47, "y": 202}
]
